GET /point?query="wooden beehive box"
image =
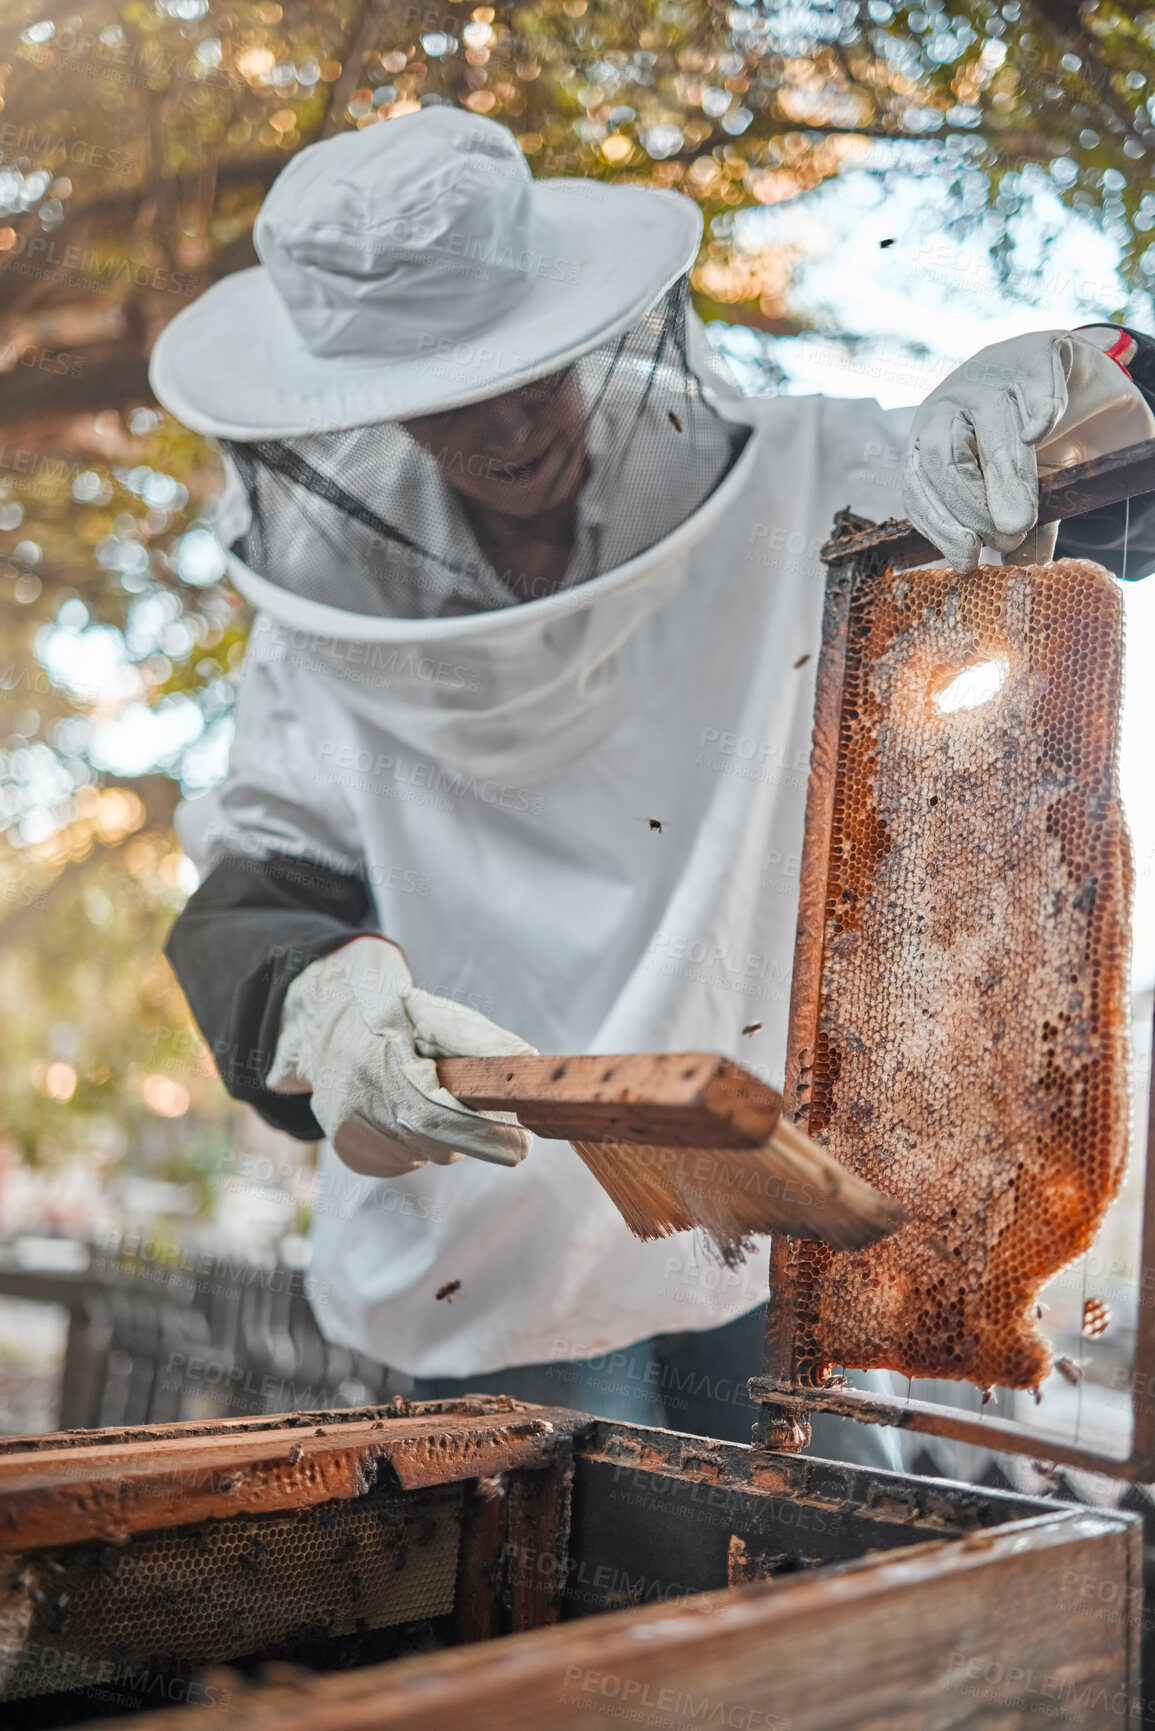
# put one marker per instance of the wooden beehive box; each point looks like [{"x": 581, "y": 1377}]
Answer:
[{"x": 487, "y": 1564}]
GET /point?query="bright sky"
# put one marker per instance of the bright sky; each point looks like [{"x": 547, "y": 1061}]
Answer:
[{"x": 933, "y": 288}]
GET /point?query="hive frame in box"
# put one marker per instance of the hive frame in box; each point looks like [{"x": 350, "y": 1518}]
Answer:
[
  {"x": 169, "y": 1546},
  {"x": 858, "y": 552}
]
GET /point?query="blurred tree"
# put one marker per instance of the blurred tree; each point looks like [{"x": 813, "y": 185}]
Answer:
[{"x": 137, "y": 138}]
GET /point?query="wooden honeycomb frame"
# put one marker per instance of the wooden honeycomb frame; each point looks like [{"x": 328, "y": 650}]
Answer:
[{"x": 856, "y": 553}]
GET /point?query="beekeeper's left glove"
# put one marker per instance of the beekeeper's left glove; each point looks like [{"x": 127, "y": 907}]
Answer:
[
  {"x": 1013, "y": 412},
  {"x": 359, "y": 1036}
]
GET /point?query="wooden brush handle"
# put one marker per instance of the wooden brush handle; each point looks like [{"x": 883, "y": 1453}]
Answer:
[{"x": 671, "y": 1099}]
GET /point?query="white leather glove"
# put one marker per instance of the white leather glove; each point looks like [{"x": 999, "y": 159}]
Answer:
[
  {"x": 359, "y": 1036},
  {"x": 1013, "y": 412}
]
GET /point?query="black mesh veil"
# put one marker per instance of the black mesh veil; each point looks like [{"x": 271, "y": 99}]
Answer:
[{"x": 503, "y": 501}]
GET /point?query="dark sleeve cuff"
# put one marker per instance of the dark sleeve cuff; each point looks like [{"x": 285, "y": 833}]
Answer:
[
  {"x": 1142, "y": 364},
  {"x": 1121, "y": 537},
  {"x": 241, "y": 941}
]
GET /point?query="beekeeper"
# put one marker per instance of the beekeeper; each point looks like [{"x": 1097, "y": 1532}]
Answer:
[{"x": 523, "y": 730}]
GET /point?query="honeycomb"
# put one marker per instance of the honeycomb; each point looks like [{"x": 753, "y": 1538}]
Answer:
[
  {"x": 970, "y": 1055},
  {"x": 228, "y": 1588}
]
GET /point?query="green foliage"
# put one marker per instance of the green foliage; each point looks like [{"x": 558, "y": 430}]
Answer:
[{"x": 98, "y": 1058}]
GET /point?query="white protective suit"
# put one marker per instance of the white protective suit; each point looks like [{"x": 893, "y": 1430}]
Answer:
[{"x": 582, "y": 816}]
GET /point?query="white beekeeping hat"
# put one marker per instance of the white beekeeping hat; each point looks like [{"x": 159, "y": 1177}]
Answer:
[{"x": 413, "y": 267}]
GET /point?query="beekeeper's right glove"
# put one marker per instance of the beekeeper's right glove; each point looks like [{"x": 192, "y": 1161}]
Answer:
[
  {"x": 359, "y": 1036},
  {"x": 1016, "y": 410}
]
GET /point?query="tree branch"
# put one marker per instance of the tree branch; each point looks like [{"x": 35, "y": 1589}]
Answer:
[
  {"x": 365, "y": 31},
  {"x": 118, "y": 378},
  {"x": 1062, "y": 19},
  {"x": 120, "y": 210}
]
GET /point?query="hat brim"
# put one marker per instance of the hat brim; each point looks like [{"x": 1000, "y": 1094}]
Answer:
[{"x": 233, "y": 364}]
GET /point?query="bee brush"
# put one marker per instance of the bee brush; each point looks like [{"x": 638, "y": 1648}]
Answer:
[{"x": 683, "y": 1140}]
